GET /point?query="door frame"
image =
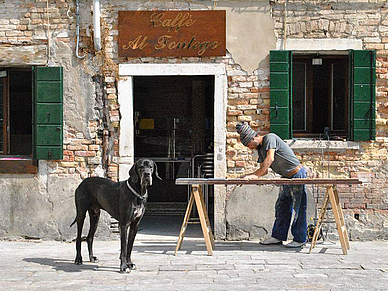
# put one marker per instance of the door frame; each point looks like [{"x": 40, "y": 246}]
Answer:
[{"x": 126, "y": 142}]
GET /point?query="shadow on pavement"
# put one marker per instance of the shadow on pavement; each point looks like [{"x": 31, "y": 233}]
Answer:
[
  {"x": 199, "y": 247},
  {"x": 69, "y": 266}
]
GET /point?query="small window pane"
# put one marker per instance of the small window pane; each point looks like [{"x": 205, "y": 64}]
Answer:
[
  {"x": 339, "y": 97},
  {"x": 1, "y": 118},
  {"x": 20, "y": 92},
  {"x": 299, "y": 96},
  {"x": 321, "y": 97}
]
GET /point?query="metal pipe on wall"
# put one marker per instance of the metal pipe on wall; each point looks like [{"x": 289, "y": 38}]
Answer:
[
  {"x": 97, "y": 25},
  {"x": 77, "y": 30}
]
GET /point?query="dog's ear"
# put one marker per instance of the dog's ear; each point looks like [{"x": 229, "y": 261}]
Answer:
[
  {"x": 156, "y": 171},
  {"x": 133, "y": 174}
]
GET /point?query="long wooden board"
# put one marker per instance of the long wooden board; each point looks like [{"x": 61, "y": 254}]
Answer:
[{"x": 279, "y": 181}]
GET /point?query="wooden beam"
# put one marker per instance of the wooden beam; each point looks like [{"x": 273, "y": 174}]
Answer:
[
  {"x": 18, "y": 167},
  {"x": 261, "y": 181}
]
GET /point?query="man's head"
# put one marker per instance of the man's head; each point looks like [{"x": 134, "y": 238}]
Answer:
[{"x": 247, "y": 134}]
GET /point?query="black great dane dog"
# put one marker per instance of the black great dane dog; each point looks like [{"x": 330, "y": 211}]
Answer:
[{"x": 125, "y": 201}]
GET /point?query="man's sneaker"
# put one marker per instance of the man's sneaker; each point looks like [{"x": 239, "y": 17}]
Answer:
[
  {"x": 271, "y": 241},
  {"x": 295, "y": 244}
]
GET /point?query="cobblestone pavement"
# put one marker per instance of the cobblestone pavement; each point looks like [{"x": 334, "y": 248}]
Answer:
[{"x": 48, "y": 265}]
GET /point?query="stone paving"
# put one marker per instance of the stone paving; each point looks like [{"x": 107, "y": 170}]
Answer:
[{"x": 48, "y": 265}]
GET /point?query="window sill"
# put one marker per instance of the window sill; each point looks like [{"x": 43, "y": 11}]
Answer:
[
  {"x": 325, "y": 145},
  {"x": 18, "y": 165}
]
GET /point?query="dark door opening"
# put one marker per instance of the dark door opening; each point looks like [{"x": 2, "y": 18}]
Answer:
[{"x": 174, "y": 126}]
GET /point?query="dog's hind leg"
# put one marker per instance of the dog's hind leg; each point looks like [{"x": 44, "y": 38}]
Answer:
[
  {"x": 94, "y": 215},
  {"x": 81, "y": 203},
  {"x": 80, "y": 223}
]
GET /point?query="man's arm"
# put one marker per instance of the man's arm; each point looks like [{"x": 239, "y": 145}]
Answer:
[{"x": 264, "y": 166}]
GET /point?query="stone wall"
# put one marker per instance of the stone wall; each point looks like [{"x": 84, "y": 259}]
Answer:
[{"x": 42, "y": 32}]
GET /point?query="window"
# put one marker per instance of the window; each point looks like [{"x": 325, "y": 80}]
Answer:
[
  {"x": 16, "y": 112},
  {"x": 30, "y": 116},
  {"x": 321, "y": 95}
]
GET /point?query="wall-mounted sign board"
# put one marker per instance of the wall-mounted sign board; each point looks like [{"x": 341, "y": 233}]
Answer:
[{"x": 187, "y": 33}]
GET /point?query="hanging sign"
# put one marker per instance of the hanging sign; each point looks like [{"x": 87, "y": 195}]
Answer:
[{"x": 187, "y": 33}]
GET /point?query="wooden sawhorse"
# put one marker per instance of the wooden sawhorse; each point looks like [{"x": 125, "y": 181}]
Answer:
[
  {"x": 197, "y": 196},
  {"x": 331, "y": 196}
]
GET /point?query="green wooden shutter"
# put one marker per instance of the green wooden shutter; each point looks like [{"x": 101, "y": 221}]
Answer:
[
  {"x": 281, "y": 93},
  {"x": 48, "y": 113},
  {"x": 363, "y": 95},
  {"x": 1, "y": 117}
]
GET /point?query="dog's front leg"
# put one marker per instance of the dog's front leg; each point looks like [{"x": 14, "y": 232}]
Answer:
[
  {"x": 123, "y": 253},
  {"x": 131, "y": 239}
]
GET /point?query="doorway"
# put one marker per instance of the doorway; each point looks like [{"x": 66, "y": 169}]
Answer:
[
  {"x": 174, "y": 126},
  {"x": 128, "y": 74}
]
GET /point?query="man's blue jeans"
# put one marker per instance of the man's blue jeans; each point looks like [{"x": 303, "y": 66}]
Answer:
[{"x": 291, "y": 198}]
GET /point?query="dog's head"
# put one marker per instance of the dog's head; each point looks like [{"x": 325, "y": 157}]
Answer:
[{"x": 142, "y": 171}]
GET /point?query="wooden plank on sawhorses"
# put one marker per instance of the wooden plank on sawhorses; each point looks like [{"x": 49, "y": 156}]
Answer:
[
  {"x": 263, "y": 181},
  {"x": 331, "y": 196},
  {"x": 197, "y": 197}
]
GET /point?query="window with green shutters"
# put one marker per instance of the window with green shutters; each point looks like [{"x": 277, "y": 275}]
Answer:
[
  {"x": 31, "y": 117},
  {"x": 313, "y": 94},
  {"x": 48, "y": 113}
]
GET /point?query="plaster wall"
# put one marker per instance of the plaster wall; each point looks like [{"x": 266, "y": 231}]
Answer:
[
  {"x": 42, "y": 205},
  {"x": 250, "y": 33}
]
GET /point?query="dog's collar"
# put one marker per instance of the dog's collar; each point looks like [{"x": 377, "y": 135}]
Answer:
[{"x": 135, "y": 193}]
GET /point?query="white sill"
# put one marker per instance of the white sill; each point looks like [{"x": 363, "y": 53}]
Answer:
[
  {"x": 15, "y": 157},
  {"x": 316, "y": 145}
]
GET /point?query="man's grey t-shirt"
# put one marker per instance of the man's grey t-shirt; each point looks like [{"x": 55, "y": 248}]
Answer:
[{"x": 285, "y": 159}]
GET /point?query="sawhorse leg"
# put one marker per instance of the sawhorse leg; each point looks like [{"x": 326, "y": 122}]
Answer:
[
  {"x": 331, "y": 196},
  {"x": 320, "y": 220},
  {"x": 185, "y": 223},
  {"x": 196, "y": 195}
]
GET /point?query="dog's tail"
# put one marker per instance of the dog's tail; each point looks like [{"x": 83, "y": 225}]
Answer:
[{"x": 73, "y": 222}]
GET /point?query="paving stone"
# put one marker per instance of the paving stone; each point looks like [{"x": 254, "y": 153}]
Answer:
[{"x": 48, "y": 265}]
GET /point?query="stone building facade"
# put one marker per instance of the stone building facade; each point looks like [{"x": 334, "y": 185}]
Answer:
[{"x": 98, "y": 120}]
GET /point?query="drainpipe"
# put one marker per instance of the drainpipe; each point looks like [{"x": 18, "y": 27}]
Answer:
[
  {"x": 77, "y": 30},
  {"x": 96, "y": 24},
  {"x": 285, "y": 26}
]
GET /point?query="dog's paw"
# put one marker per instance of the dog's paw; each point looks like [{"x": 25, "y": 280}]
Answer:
[
  {"x": 78, "y": 261},
  {"x": 127, "y": 268},
  {"x": 93, "y": 259}
]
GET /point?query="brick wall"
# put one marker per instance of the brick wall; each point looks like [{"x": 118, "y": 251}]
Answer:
[
  {"x": 94, "y": 150},
  {"x": 365, "y": 21},
  {"x": 248, "y": 97},
  {"x": 27, "y": 24},
  {"x": 248, "y": 100}
]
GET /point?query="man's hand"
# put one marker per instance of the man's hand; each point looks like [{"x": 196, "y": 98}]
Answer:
[{"x": 250, "y": 177}]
